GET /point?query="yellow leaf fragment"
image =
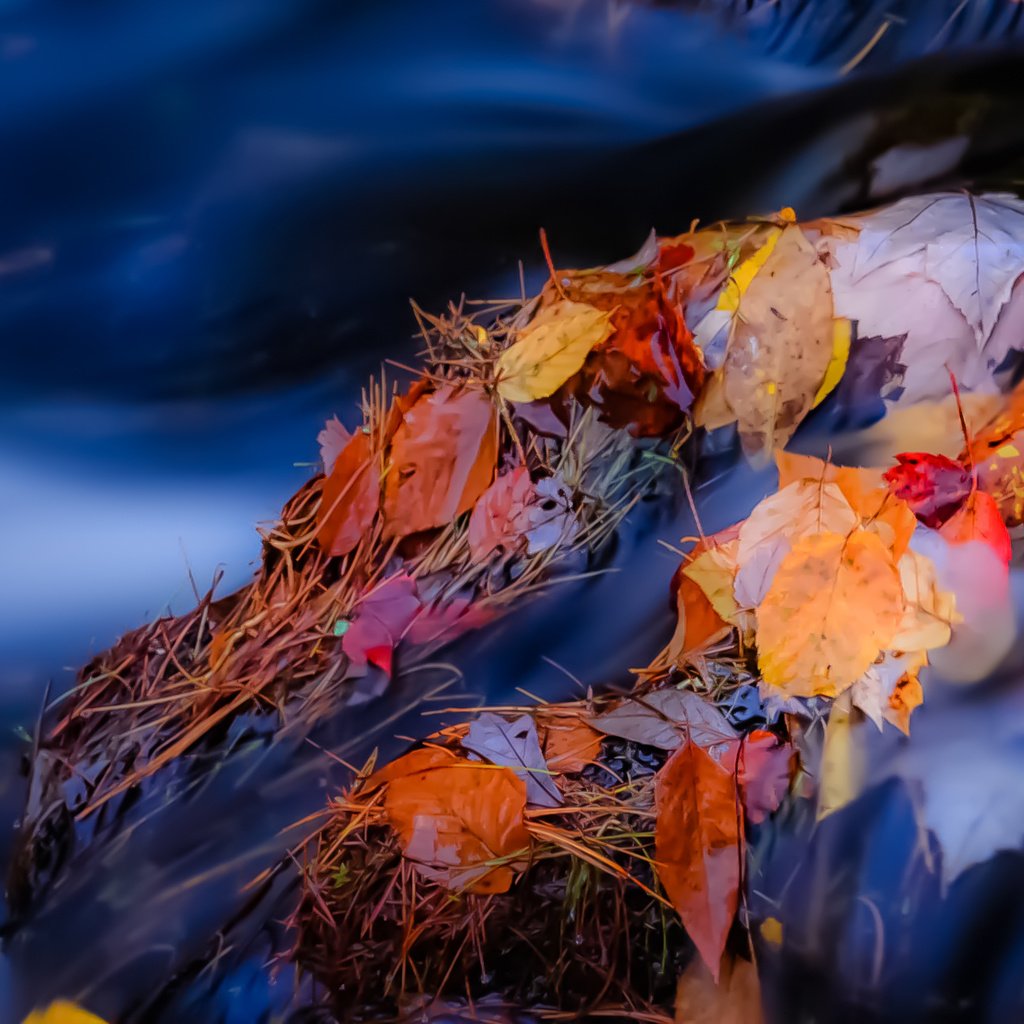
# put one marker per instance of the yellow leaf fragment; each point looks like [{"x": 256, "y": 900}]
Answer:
[
  {"x": 841, "y": 776},
  {"x": 841, "y": 336},
  {"x": 833, "y": 606},
  {"x": 714, "y": 571},
  {"x": 771, "y": 931},
  {"x": 62, "y": 1012},
  {"x": 550, "y": 349}
]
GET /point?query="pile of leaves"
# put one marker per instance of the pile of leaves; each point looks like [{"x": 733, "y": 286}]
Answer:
[{"x": 579, "y": 856}]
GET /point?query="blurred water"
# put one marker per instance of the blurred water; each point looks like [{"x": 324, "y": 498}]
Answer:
[{"x": 216, "y": 213}]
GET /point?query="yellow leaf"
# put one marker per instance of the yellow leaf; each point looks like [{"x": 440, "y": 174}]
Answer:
[
  {"x": 930, "y": 612},
  {"x": 550, "y": 349},
  {"x": 781, "y": 345},
  {"x": 771, "y": 931},
  {"x": 768, "y": 534},
  {"x": 62, "y": 1012},
  {"x": 833, "y": 606},
  {"x": 841, "y": 776},
  {"x": 841, "y": 335},
  {"x": 739, "y": 282},
  {"x": 714, "y": 570}
]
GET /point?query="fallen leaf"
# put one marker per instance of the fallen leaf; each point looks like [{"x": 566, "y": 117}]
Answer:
[
  {"x": 443, "y": 457},
  {"x": 443, "y": 620},
  {"x": 874, "y": 691},
  {"x": 515, "y": 745},
  {"x": 842, "y": 772},
  {"x": 461, "y": 825},
  {"x": 697, "y": 846},
  {"x": 549, "y": 521},
  {"x": 934, "y": 486},
  {"x": 929, "y": 612},
  {"x": 379, "y": 622},
  {"x": 713, "y": 565},
  {"x": 765, "y": 770},
  {"x": 735, "y": 998},
  {"x": 833, "y": 606},
  {"x": 569, "y": 743},
  {"x": 420, "y": 759},
  {"x": 997, "y": 453},
  {"x": 665, "y": 718},
  {"x": 979, "y": 519},
  {"x": 842, "y": 336},
  {"x": 698, "y": 625},
  {"x": 332, "y": 439},
  {"x": 498, "y": 520},
  {"x": 550, "y": 349},
  {"x": 62, "y": 1012},
  {"x": 781, "y": 345},
  {"x": 350, "y": 497},
  {"x": 771, "y": 931},
  {"x": 874, "y": 372},
  {"x": 907, "y": 696}
]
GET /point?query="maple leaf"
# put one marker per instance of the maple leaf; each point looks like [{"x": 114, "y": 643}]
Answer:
[
  {"x": 979, "y": 519},
  {"x": 461, "y": 824},
  {"x": 934, "y": 486},
  {"x": 781, "y": 345},
  {"x": 515, "y": 745},
  {"x": 569, "y": 743},
  {"x": 442, "y": 459},
  {"x": 332, "y": 439},
  {"x": 380, "y": 621},
  {"x": 833, "y": 606},
  {"x": 697, "y": 846},
  {"x": 665, "y": 718},
  {"x": 350, "y": 497},
  {"x": 550, "y": 349},
  {"x": 62, "y": 1012},
  {"x": 765, "y": 770},
  {"x": 734, "y": 998}
]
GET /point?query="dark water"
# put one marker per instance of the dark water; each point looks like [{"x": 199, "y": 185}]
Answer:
[{"x": 217, "y": 212}]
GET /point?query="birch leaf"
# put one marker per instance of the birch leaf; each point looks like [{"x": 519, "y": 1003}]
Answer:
[{"x": 550, "y": 349}]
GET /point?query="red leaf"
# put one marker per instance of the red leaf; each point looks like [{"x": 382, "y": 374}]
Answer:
[
  {"x": 442, "y": 622},
  {"x": 350, "y": 497},
  {"x": 934, "y": 486},
  {"x": 442, "y": 459},
  {"x": 380, "y": 620},
  {"x": 697, "y": 846},
  {"x": 979, "y": 519},
  {"x": 765, "y": 772},
  {"x": 499, "y": 518},
  {"x": 673, "y": 254}
]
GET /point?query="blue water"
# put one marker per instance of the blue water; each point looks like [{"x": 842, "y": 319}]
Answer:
[{"x": 216, "y": 213}]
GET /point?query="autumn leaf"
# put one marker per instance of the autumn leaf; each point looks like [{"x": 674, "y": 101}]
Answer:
[
  {"x": 350, "y": 497},
  {"x": 515, "y": 745},
  {"x": 979, "y": 519},
  {"x": 997, "y": 453},
  {"x": 713, "y": 565},
  {"x": 842, "y": 772},
  {"x": 332, "y": 440},
  {"x": 443, "y": 457},
  {"x": 934, "y": 486},
  {"x": 461, "y": 825},
  {"x": 379, "y": 622},
  {"x": 665, "y": 718},
  {"x": 735, "y": 998},
  {"x": 833, "y": 606},
  {"x": 550, "y": 349},
  {"x": 569, "y": 743},
  {"x": 62, "y": 1012},
  {"x": 418, "y": 760},
  {"x": 876, "y": 690},
  {"x": 697, "y": 846},
  {"x": 781, "y": 345},
  {"x": 698, "y": 625},
  {"x": 874, "y": 372},
  {"x": 929, "y": 612},
  {"x": 498, "y": 520},
  {"x": 765, "y": 770}
]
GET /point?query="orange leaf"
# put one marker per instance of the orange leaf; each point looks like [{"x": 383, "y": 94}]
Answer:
[
  {"x": 833, "y": 606},
  {"x": 419, "y": 760},
  {"x": 697, "y": 846},
  {"x": 350, "y": 497},
  {"x": 979, "y": 519},
  {"x": 569, "y": 744},
  {"x": 902, "y": 701},
  {"x": 462, "y": 824},
  {"x": 698, "y": 625},
  {"x": 442, "y": 459}
]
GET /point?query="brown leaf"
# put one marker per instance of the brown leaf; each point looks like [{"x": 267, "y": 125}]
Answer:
[
  {"x": 350, "y": 497},
  {"x": 498, "y": 520},
  {"x": 442, "y": 459},
  {"x": 781, "y": 345},
  {"x": 734, "y": 999},
  {"x": 569, "y": 743},
  {"x": 697, "y": 846},
  {"x": 461, "y": 824}
]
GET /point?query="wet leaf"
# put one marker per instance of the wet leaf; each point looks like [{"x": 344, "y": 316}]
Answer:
[
  {"x": 569, "y": 743},
  {"x": 420, "y": 759},
  {"x": 62, "y": 1012},
  {"x": 765, "y": 769},
  {"x": 833, "y": 606},
  {"x": 350, "y": 497},
  {"x": 874, "y": 371},
  {"x": 665, "y": 718},
  {"x": 842, "y": 335},
  {"x": 713, "y": 565},
  {"x": 997, "y": 453},
  {"x": 515, "y": 745},
  {"x": 781, "y": 345},
  {"x": 461, "y": 824},
  {"x": 498, "y": 521},
  {"x": 698, "y": 625},
  {"x": 979, "y": 519},
  {"x": 379, "y": 622},
  {"x": 442, "y": 621},
  {"x": 697, "y": 846},
  {"x": 550, "y": 349},
  {"x": 934, "y": 486},
  {"x": 735, "y": 998},
  {"x": 841, "y": 777},
  {"x": 442, "y": 459},
  {"x": 332, "y": 439}
]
